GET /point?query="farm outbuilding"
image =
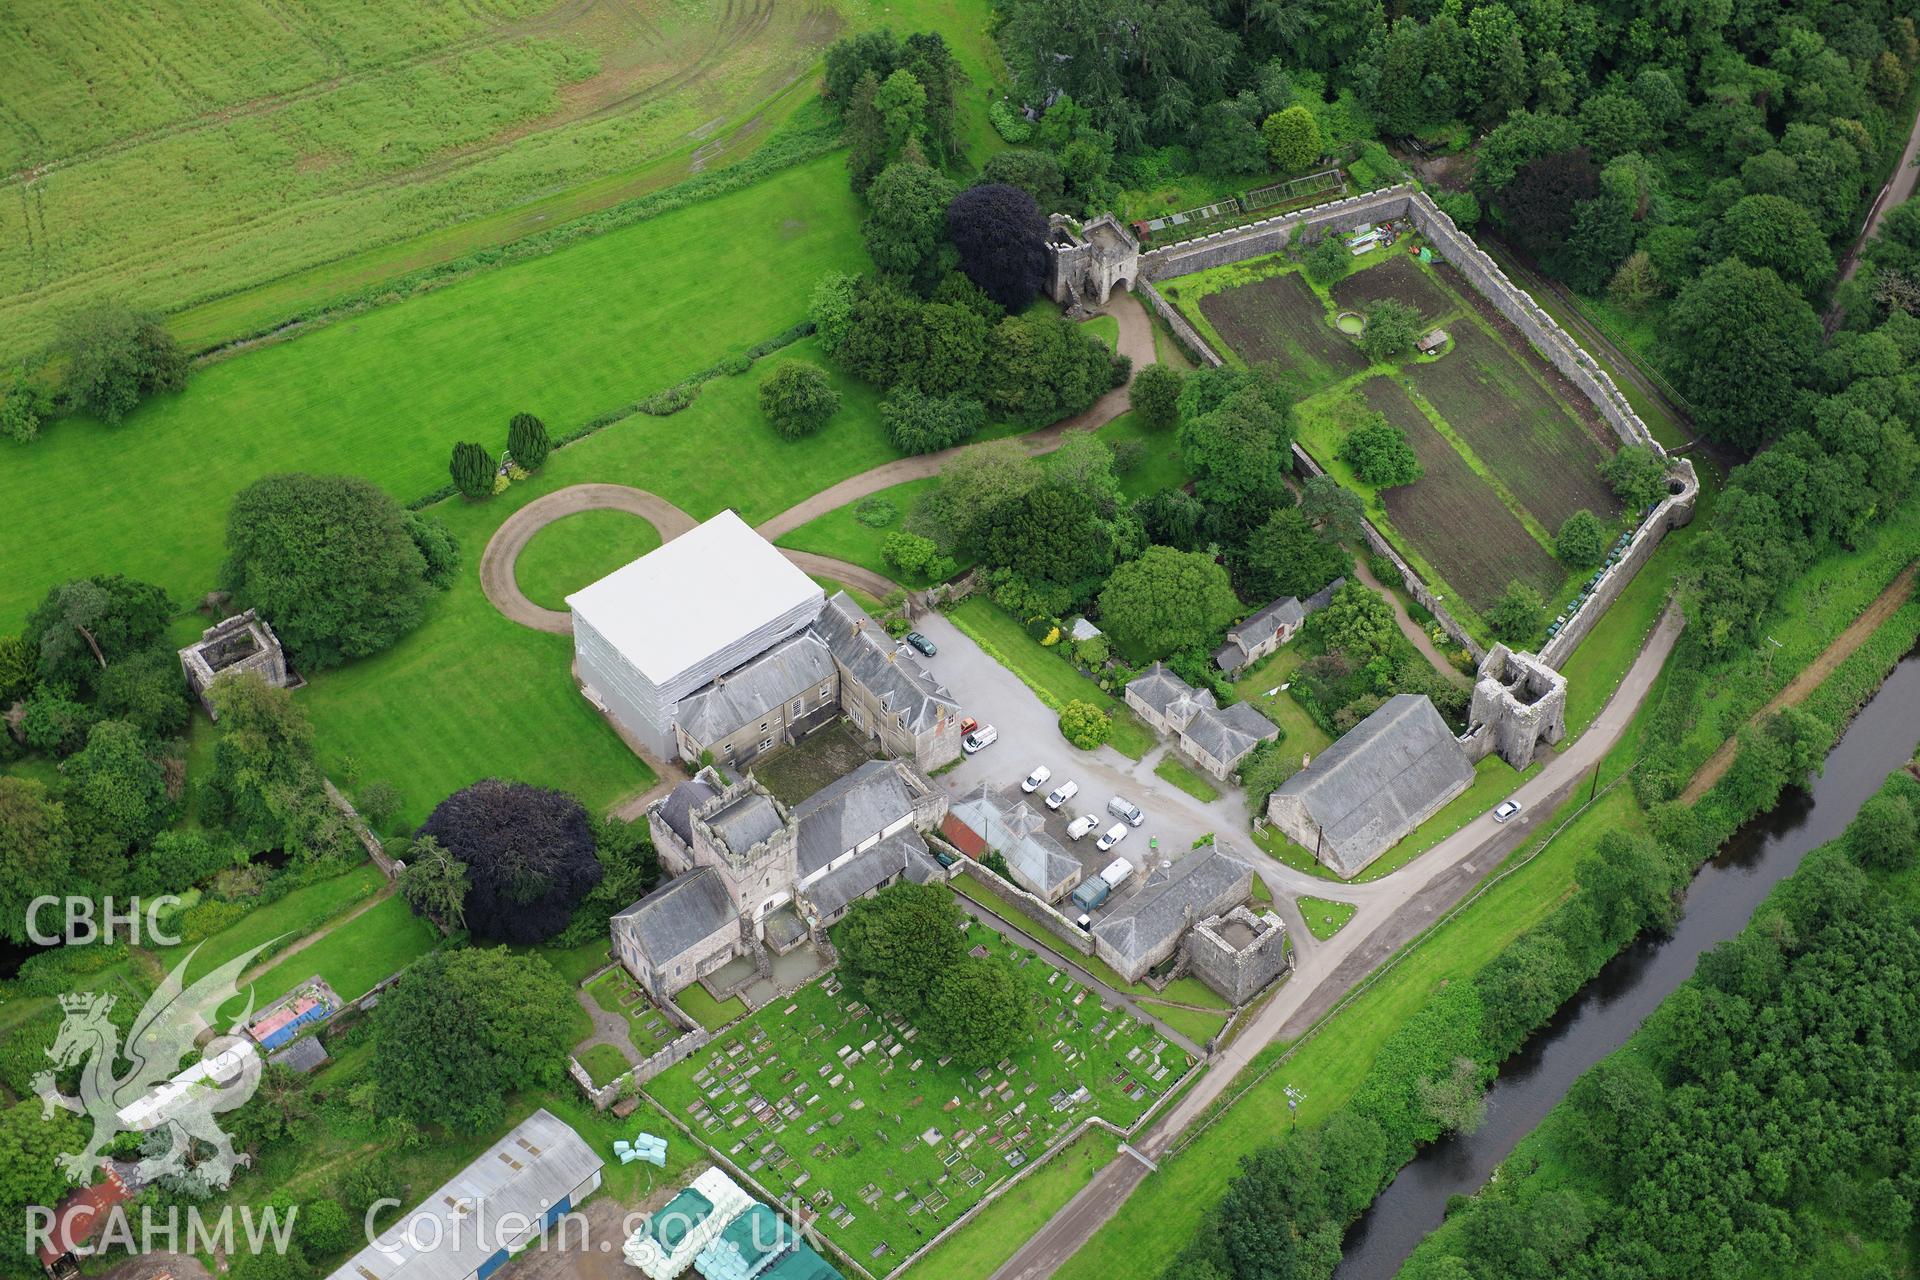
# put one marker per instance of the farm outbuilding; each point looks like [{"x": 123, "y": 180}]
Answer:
[{"x": 473, "y": 1223}]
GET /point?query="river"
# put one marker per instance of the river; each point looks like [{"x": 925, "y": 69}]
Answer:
[{"x": 1601, "y": 1016}]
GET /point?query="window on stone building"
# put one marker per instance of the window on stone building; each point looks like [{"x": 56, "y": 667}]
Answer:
[{"x": 766, "y": 744}]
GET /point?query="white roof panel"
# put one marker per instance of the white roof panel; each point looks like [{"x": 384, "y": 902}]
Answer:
[{"x": 679, "y": 605}]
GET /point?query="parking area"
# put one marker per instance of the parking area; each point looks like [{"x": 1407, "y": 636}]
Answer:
[{"x": 1029, "y": 735}]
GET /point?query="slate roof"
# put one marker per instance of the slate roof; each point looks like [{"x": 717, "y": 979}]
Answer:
[
  {"x": 680, "y": 914},
  {"x": 1228, "y": 733},
  {"x": 1376, "y": 783},
  {"x": 797, "y": 665},
  {"x": 1287, "y": 611},
  {"x": 677, "y": 809},
  {"x": 1199, "y": 885},
  {"x": 748, "y": 821},
  {"x": 902, "y": 853},
  {"x": 1322, "y": 598},
  {"x": 1017, "y": 831},
  {"x": 847, "y": 811},
  {"x": 303, "y": 1055},
  {"x": 900, "y": 683},
  {"x": 1171, "y": 697}
]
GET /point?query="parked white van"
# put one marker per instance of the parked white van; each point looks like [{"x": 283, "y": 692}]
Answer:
[{"x": 1061, "y": 794}]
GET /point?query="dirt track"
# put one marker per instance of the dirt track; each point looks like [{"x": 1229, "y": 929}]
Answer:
[{"x": 1811, "y": 678}]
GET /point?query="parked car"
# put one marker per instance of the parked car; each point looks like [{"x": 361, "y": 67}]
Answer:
[
  {"x": 1126, "y": 810},
  {"x": 1061, "y": 794},
  {"x": 1115, "y": 834},
  {"x": 1505, "y": 809},
  {"x": 1081, "y": 825},
  {"x": 921, "y": 643},
  {"x": 1036, "y": 780},
  {"x": 985, "y": 736}
]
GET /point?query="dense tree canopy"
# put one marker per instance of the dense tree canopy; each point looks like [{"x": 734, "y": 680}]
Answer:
[
  {"x": 1165, "y": 601},
  {"x": 798, "y": 399},
  {"x": 529, "y": 854},
  {"x": 894, "y": 945},
  {"x": 116, "y": 357},
  {"x": 1000, "y": 233},
  {"x": 906, "y": 227},
  {"x": 330, "y": 561},
  {"x": 461, "y": 1030},
  {"x": 1741, "y": 339}
]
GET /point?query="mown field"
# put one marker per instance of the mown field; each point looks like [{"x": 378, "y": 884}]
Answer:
[
  {"x": 287, "y": 154},
  {"x": 570, "y": 336},
  {"x": 266, "y": 139}
]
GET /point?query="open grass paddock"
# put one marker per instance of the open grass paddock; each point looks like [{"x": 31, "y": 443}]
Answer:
[
  {"x": 580, "y": 549},
  {"x": 570, "y": 336}
]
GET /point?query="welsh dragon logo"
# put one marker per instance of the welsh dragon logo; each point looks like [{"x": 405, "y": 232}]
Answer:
[{"x": 174, "y": 1017}]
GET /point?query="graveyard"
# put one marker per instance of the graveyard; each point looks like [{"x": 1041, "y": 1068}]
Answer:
[{"x": 837, "y": 1113}]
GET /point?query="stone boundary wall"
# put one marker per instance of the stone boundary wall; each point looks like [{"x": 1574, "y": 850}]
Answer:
[
  {"x": 368, "y": 841},
  {"x": 1270, "y": 235},
  {"x": 1673, "y": 511},
  {"x": 1416, "y": 585},
  {"x": 1043, "y": 913},
  {"x": 1514, "y": 304},
  {"x": 671, "y": 1054}
]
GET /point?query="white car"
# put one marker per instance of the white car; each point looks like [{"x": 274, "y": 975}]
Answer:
[
  {"x": 1061, "y": 794},
  {"x": 1080, "y": 826},
  {"x": 1505, "y": 809},
  {"x": 985, "y": 736},
  {"x": 1115, "y": 834},
  {"x": 1036, "y": 780}
]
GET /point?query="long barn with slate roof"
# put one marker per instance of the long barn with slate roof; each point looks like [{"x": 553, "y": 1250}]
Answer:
[{"x": 1362, "y": 795}]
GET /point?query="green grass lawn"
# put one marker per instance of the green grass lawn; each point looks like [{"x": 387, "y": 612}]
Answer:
[
  {"x": 580, "y": 549},
  {"x": 1176, "y": 772},
  {"x": 574, "y": 963},
  {"x": 1286, "y": 851},
  {"x": 1325, "y": 917},
  {"x": 617, "y": 992},
  {"x": 840, "y": 535},
  {"x": 373, "y": 946},
  {"x": 1194, "y": 1024},
  {"x": 950, "y": 1135},
  {"x": 1159, "y": 466},
  {"x": 604, "y": 1064},
  {"x": 569, "y": 336},
  {"x": 1299, "y": 735},
  {"x": 708, "y": 1012},
  {"x": 282, "y": 922},
  {"x": 980, "y": 1247},
  {"x": 1105, "y": 328},
  {"x": 1049, "y": 673}
]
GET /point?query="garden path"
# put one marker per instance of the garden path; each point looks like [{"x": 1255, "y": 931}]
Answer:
[
  {"x": 366, "y": 905},
  {"x": 511, "y": 538},
  {"x": 608, "y": 1028},
  {"x": 1136, "y": 343},
  {"x": 1408, "y": 627}
]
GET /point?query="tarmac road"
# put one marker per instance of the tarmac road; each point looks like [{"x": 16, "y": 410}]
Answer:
[{"x": 1392, "y": 911}]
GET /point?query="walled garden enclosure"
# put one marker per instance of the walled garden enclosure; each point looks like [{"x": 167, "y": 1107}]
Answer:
[
  {"x": 837, "y": 1110},
  {"x": 1509, "y": 418}
]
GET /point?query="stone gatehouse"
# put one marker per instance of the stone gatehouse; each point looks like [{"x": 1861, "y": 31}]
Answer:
[{"x": 1090, "y": 262}]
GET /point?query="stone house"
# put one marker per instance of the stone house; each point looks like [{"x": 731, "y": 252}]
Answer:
[
  {"x": 1214, "y": 737},
  {"x": 1239, "y": 953},
  {"x": 1145, "y": 930},
  {"x": 1273, "y": 626},
  {"x": 751, "y": 874},
  {"x": 983, "y": 821},
  {"x": 716, "y": 643},
  {"x": 1366, "y": 792}
]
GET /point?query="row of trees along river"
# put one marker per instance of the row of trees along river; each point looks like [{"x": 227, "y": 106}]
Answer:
[{"x": 1608, "y": 1009}]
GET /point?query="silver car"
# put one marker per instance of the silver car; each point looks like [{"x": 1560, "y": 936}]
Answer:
[{"x": 1505, "y": 809}]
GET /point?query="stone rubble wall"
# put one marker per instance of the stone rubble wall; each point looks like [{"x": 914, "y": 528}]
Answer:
[
  {"x": 1673, "y": 512},
  {"x": 1272, "y": 235}
]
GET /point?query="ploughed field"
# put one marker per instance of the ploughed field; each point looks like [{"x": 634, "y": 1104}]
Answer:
[{"x": 1280, "y": 322}]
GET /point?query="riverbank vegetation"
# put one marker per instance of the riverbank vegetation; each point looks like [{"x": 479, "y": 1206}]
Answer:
[{"x": 1761, "y": 1120}]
